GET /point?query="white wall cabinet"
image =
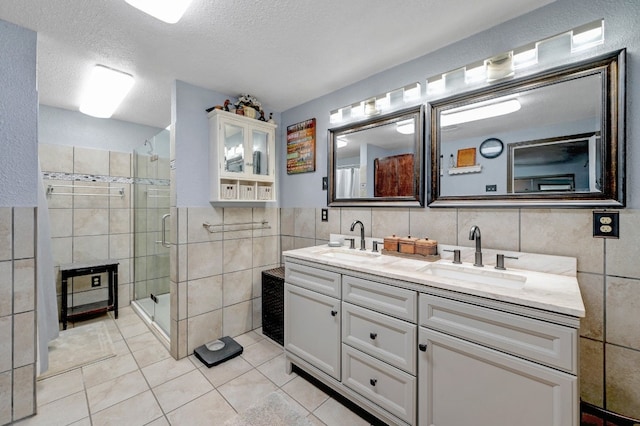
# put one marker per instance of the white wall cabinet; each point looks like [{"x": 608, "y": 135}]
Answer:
[{"x": 241, "y": 158}]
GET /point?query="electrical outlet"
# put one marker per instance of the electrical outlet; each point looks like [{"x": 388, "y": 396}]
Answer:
[
  {"x": 325, "y": 215},
  {"x": 491, "y": 188},
  {"x": 95, "y": 281},
  {"x": 325, "y": 183},
  {"x": 606, "y": 224}
]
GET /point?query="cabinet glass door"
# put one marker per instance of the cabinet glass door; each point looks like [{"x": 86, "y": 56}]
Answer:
[
  {"x": 260, "y": 144},
  {"x": 233, "y": 148}
]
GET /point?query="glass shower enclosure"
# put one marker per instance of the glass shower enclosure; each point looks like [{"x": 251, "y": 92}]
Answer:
[{"x": 151, "y": 231}]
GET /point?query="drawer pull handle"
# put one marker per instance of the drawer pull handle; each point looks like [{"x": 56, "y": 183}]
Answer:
[
  {"x": 422, "y": 347},
  {"x": 334, "y": 313},
  {"x": 373, "y": 382},
  {"x": 373, "y": 336}
]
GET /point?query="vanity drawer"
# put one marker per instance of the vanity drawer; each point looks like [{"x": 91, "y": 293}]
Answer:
[
  {"x": 394, "y": 301},
  {"x": 538, "y": 341},
  {"x": 390, "y": 388},
  {"x": 386, "y": 338},
  {"x": 324, "y": 282}
]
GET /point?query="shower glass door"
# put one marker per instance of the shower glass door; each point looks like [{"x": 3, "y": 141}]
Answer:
[{"x": 151, "y": 229}]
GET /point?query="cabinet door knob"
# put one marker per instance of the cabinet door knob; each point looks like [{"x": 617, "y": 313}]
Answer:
[
  {"x": 373, "y": 336},
  {"x": 334, "y": 313},
  {"x": 422, "y": 347},
  {"x": 373, "y": 382}
]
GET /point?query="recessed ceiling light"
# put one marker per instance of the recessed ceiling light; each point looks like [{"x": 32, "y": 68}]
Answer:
[
  {"x": 406, "y": 127},
  {"x": 169, "y": 11},
  {"x": 106, "y": 89}
]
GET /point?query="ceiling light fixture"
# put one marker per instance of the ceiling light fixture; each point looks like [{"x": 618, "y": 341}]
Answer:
[
  {"x": 479, "y": 113},
  {"x": 341, "y": 142},
  {"x": 169, "y": 11},
  {"x": 406, "y": 127},
  {"x": 106, "y": 89}
]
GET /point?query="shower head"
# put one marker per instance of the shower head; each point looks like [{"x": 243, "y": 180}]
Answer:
[{"x": 148, "y": 142}]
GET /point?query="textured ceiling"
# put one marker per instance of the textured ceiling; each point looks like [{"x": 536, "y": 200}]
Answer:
[{"x": 283, "y": 52}]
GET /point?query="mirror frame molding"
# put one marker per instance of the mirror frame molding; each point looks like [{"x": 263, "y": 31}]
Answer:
[
  {"x": 417, "y": 200},
  {"x": 613, "y": 68}
]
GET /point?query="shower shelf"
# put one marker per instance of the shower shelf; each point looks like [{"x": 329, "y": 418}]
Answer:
[
  {"x": 244, "y": 226},
  {"x": 120, "y": 190}
]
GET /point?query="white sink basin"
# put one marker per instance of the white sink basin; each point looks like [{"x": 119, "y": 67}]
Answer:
[
  {"x": 476, "y": 275},
  {"x": 353, "y": 255}
]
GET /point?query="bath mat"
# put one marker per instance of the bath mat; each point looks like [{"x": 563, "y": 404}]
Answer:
[
  {"x": 77, "y": 347},
  {"x": 273, "y": 410}
]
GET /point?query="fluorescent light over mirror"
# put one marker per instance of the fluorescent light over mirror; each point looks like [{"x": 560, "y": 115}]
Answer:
[
  {"x": 105, "y": 91},
  {"x": 169, "y": 11},
  {"x": 406, "y": 127},
  {"x": 481, "y": 112}
]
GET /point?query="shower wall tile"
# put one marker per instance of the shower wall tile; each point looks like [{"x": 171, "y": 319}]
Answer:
[
  {"x": 120, "y": 246},
  {"x": 204, "y": 259},
  {"x": 90, "y": 161},
  {"x": 623, "y": 297},
  {"x": 237, "y": 255},
  {"x": 24, "y": 341},
  {"x": 304, "y": 222},
  {"x": 5, "y": 403},
  {"x": 196, "y": 217},
  {"x": 55, "y": 158},
  {"x": 6, "y": 232},
  {"x": 436, "y": 224},
  {"x": 24, "y": 391},
  {"x": 90, "y": 248},
  {"x": 123, "y": 202},
  {"x": 119, "y": 164},
  {"x": 24, "y": 285},
  {"x": 349, "y": 215},
  {"x": 62, "y": 249},
  {"x": 203, "y": 328},
  {"x": 180, "y": 222},
  {"x": 87, "y": 202},
  {"x": 269, "y": 215},
  {"x": 237, "y": 319},
  {"x": 385, "y": 222},
  {"x": 204, "y": 295},
  {"x": 6, "y": 360},
  {"x": 500, "y": 229},
  {"x": 563, "y": 232},
  {"x": 119, "y": 221},
  {"x": 6, "y": 285},
  {"x": 24, "y": 232},
  {"x": 237, "y": 287},
  {"x": 592, "y": 371},
  {"x": 332, "y": 226},
  {"x": 622, "y": 380},
  {"x": 266, "y": 251},
  {"x": 287, "y": 221},
  {"x": 592, "y": 288},
  {"x": 61, "y": 222},
  {"x": 622, "y": 254},
  {"x": 237, "y": 215},
  {"x": 90, "y": 222}
]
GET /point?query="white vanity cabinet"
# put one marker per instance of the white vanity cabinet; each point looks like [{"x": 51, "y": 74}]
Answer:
[
  {"x": 312, "y": 317},
  {"x": 485, "y": 367},
  {"x": 241, "y": 158}
]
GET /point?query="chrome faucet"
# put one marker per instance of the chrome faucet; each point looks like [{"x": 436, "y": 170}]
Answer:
[
  {"x": 353, "y": 226},
  {"x": 474, "y": 234}
]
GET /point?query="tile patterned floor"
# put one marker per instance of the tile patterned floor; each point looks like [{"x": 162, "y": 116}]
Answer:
[{"x": 144, "y": 385}]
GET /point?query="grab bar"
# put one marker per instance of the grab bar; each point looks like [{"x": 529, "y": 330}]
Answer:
[
  {"x": 51, "y": 191},
  {"x": 164, "y": 231},
  {"x": 246, "y": 226}
]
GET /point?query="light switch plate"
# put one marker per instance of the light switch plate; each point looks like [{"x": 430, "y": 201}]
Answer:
[
  {"x": 325, "y": 183},
  {"x": 606, "y": 224},
  {"x": 325, "y": 215}
]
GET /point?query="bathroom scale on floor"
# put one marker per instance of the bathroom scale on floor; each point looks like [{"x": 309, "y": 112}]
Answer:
[{"x": 218, "y": 351}]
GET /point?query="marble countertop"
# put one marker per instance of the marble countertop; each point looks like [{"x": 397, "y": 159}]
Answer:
[{"x": 549, "y": 281}]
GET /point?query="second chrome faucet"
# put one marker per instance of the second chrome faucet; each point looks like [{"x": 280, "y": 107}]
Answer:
[
  {"x": 353, "y": 226},
  {"x": 474, "y": 234}
]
